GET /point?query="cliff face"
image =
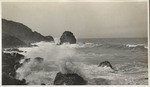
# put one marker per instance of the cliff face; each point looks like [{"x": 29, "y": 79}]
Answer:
[{"x": 21, "y": 32}]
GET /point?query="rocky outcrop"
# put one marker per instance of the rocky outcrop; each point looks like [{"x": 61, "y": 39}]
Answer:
[
  {"x": 9, "y": 80},
  {"x": 9, "y": 62},
  {"x": 105, "y": 64},
  {"x": 20, "y": 33},
  {"x": 69, "y": 79},
  {"x": 67, "y": 37}
]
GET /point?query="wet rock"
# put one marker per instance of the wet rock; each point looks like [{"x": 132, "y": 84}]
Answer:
[
  {"x": 9, "y": 80},
  {"x": 105, "y": 64},
  {"x": 67, "y": 37},
  {"x": 27, "y": 60},
  {"x": 39, "y": 59},
  {"x": 9, "y": 61},
  {"x": 9, "y": 66},
  {"x": 43, "y": 84},
  {"x": 69, "y": 79}
]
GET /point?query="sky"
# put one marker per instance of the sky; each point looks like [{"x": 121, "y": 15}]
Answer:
[{"x": 84, "y": 19}]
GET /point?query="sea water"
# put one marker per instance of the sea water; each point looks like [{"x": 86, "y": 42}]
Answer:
[{"x": 128, "y": 56}]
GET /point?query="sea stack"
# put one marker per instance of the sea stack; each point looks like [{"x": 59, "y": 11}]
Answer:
[
  {"x": 105, "y": 64},
  {"x": 67, "y": 37}
]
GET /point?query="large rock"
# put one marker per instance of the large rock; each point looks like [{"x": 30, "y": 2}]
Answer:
[
  {"x": 67, "y": 37},
  {"x": 9, "y": 80},
  {"x": 9, "y": 61},
  {"x": 39, "y": 59},
  {"x": 9, "y": 66},
  {"x": 69, "y": 79}
]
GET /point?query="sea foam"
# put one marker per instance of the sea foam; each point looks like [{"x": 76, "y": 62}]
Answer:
[{"x": 64, "y": 58}]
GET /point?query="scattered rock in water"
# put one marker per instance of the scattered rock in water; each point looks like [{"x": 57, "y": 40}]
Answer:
[
  {"x": 105, "y": 64},
  {"x": 27, "y": 60},
  {"x": 69, "y": 79},
  {"x": 101, "y": 81},
  {"x": 43, "y": 84},
  {"x": 39, "y": 59},
  {"x": 67, "y": 37}
]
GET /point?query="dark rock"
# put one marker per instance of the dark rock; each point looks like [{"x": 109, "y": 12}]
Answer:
[
  {"x": 67, "y": 37},
  {"x": 49, "y": 38},
  {"x": 9, "y": 61},
  {"x": 9, "y": 66},
  {"x": 39, "y": 59},
  {"x": 27, "y": 60},
  {"x": 69, "y": 79},
  {"x": 16, "y": 66},
  {"x": 43, "y": 84},
  {"x": 105, "y": 64},
  {"x": 8, "y": 80}
]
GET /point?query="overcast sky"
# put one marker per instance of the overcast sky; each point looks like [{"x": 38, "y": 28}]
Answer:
[{"x": 84, "y": 19}]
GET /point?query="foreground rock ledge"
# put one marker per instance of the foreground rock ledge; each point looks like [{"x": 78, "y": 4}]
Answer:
[
  {"x": 69, "y": 79},
  {"x": 67, "y": 37}
]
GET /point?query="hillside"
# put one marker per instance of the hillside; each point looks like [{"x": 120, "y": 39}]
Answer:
[
  {"x": 22, "y": 32},
  {"x": 18, "y": 34}
]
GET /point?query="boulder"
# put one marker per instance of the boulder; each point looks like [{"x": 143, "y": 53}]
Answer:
[
  {"x": 39, "y": 59},
  {"x": 105, "y": 64},
  {"x": 67, "y": 37},
  {"x": 69, "y": 79}
]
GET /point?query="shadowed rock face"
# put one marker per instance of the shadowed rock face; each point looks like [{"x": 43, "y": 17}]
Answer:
[
  {"x": 67, "y": 37},
  {"x": 10, "y": 62},
  {"x": 8, "y": 80},
  {"x": 69, "y": 79},
  {"x": 105, "y": 64}
]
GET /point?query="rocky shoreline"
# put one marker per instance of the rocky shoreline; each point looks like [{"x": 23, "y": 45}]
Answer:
[
  {"x": 10, "y": 63},
  {"x": 11, "y": 55}
]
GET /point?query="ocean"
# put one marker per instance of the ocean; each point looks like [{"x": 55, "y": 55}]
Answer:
[{"x": 128, "y": 57}]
